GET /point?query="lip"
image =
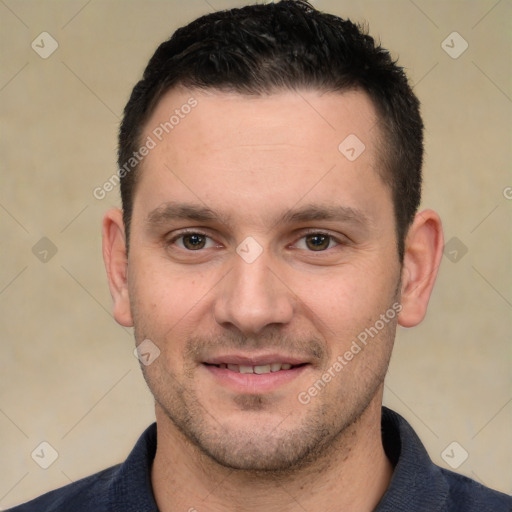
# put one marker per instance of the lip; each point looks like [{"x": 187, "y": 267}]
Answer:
[
  {"x": 252, "y": 383},
  {"x": 255, "y": 359}
]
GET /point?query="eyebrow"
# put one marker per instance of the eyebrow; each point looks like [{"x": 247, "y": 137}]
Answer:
[
  {"x": 313, "y": 212},
  {"x": 188, "y": 211},
  {"x": 182, "y": 211}
]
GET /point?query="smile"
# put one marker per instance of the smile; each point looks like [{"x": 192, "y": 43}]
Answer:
[
  {"x": 258, "y": 369},
  {"x": 256, "y": 374}
]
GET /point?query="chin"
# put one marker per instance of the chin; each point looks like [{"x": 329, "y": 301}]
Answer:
[{"x": 255, "y": 453}]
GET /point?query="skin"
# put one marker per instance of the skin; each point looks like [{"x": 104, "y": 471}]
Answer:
[{"x": 269, "y": 168}]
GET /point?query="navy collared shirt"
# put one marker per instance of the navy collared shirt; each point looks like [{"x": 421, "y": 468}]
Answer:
[{"x": 417, "y": 484}]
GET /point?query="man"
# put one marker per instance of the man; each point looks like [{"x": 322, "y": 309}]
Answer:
[{"x": 268, "y": 246}]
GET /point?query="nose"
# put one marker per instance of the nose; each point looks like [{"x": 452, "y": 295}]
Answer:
[{"x": 253, "y": 297}]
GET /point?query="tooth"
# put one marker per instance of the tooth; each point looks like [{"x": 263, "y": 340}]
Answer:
[
  {"x": 286, "y": 366},
  {"x": 245, "y": 369},
  {"x": 262, "y": 369},
  {"x": 233, "y": 367},
  {"x": 275, "y": 367},
  {"x": 222, "y": 365}
]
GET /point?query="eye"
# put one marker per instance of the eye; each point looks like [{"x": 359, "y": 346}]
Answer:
[
  {"x": 317, "y": 242},
  {"x": 193, "y": 241}
]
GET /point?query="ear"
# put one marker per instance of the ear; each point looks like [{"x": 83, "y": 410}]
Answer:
[
  {"x": 116, "y": 264},
  {"x": 422, "y": 257}
]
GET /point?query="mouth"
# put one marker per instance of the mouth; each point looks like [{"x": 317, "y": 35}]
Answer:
[
  {"x": 258, "y": 374},
  {"x": 259, "y": 369}
]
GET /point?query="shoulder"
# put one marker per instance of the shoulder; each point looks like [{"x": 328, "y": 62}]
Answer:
[
  {"x": 90, "y": 493},
  {"x": 418, "y": 484},
  {"x": 125, "y": 487},
  {"x": 467, "y": 495}
]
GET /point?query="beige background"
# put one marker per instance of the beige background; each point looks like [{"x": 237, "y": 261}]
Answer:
[{"x": 68, "y": 375}]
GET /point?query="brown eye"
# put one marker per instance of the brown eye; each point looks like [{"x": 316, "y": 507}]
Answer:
[
  {"x": 318, "y": 242},
  {"x": 194, "y": 241}
]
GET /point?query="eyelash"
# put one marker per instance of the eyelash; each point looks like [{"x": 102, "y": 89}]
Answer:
[
  {"x": 182, "y": 234},
  {"x": 321, "y": 233}
]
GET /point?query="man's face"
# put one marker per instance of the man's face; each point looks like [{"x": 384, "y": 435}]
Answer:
[{"x": 259, "y": 252}]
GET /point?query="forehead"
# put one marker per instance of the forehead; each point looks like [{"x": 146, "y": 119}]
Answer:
[
  {"x": 306, "y": 117},
  {"x": 226, "y": 148}
]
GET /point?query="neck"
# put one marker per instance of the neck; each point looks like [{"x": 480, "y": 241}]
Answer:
[{"x": 352, "y": 475}]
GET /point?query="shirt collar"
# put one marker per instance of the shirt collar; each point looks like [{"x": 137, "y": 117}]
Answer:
[
  {"x": 130, "y": 489},
  {"x": 416, "y": 485}
]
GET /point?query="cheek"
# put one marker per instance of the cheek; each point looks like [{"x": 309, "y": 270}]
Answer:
[
  {"x": 347, "y": 299},
  {"x": 166, "y": 302}
]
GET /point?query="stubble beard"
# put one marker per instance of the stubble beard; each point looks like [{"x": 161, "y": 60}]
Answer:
[{"x": 278, "y": 449}]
